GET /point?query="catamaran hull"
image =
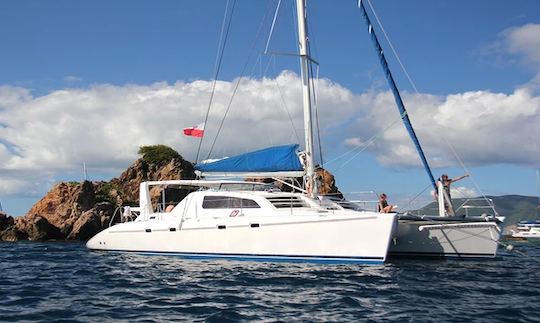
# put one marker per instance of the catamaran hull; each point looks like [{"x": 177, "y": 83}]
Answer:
[
  {"x": 329, "y": 239},
  {"x": 440, "y": 239}
]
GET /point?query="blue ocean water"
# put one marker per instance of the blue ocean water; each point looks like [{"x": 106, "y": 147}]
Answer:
[{"x": 60, "y": 281}]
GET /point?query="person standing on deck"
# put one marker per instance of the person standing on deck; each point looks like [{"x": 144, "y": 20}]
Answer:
[{"x": 445, "y": 181}]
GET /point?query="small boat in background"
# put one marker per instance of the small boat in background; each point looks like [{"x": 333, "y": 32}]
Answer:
[{"x": 529, "y": 230}]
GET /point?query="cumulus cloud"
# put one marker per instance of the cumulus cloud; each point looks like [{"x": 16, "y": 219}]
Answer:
[
  {"x": 483, "y": 127},
  {"x": 524, "y": 41},
  {"x": 104, "y": 125}
]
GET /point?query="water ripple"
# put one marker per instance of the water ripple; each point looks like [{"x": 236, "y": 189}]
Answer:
[{"x": 65, "y": 282}]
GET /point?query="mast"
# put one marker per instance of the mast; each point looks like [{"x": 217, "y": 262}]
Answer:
[{"x": 306, "y": 95}]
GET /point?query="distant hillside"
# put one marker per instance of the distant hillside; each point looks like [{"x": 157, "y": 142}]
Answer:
[{"x": 514, "y": 207}]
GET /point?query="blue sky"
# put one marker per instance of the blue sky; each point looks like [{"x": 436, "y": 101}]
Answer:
[{"x": 90, "y": 81}]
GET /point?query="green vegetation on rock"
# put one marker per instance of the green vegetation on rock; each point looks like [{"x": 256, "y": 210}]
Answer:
[
  {"x": 158, "y": 154},
  {"x": 103, "y": 193}
]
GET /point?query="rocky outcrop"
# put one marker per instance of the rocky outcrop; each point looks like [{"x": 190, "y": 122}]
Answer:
[
  {"x": 8, "y": 230},
  {"x": 13, "y": 234},
  {"x": 77, "y": 211},
  {"x": 327, "y": 183},
  {"x": 5, "y": 221},
  {"x": 126, "y": 187},
  {"x": 61, "y": 207},
  {"x": 38, "y": 228}
]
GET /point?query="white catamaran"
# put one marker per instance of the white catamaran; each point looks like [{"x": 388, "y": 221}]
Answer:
[
  {"x": 243, "y": 220},
  {"x": 443, "y": 234}
]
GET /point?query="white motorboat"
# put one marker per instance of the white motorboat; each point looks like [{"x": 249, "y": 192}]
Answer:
[
  {"x": 529, "y": 230},
  {"x": 218, "y": 222}
]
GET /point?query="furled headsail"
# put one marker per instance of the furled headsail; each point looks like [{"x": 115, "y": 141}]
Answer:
[{"x": 397, "y": 96}]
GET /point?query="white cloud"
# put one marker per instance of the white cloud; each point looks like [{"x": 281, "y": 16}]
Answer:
[
  {"x": 484, "y": 127},
  {"x": 105, "y": 124},
  {"x": 524, "y": 41},
  {"x": 72, "y": 78},
  {"x": 41, "y": 137},
  {"x": 463, "y": 192}
]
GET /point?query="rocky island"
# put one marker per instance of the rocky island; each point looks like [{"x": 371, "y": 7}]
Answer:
[{"x": 77, "y": 211}]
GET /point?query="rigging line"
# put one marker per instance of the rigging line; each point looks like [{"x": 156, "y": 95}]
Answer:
[
  {"x": 283, "y": 101},
  {"x": 366, "y": 144},
  {"x": 417, "y": 196},
  {"x": 392, "y": 47},
  {"x": 272, "y": 28},
  {"x": 467, "y": 171},
  {"x": 370, "y": 141},
  {"x": 315, "y": 89},
  {"x": 510, "y": 248},
  {"x": 263, "y": 71},
  {"x": 258, "y": 63},
  {"x": 219, "y": 60},
  {"x": 239, "y": 79}
]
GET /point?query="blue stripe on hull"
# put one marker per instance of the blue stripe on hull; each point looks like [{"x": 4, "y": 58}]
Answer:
[
  {"x": 265, "y": 258},
  {"x": 406, "y": 254}
]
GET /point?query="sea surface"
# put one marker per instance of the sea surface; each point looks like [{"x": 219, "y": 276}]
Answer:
[{"x": 59, "y": 281}]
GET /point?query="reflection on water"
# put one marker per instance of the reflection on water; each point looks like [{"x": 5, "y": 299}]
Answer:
[{"x": 51, "y": 281}]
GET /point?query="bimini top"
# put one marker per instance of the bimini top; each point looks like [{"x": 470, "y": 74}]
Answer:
[{"x": 278, "y": 161}]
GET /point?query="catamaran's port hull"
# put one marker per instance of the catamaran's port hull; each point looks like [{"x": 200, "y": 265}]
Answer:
[
  {"x": 320, "y": 239},
  {"x": 440, "y": 239}
]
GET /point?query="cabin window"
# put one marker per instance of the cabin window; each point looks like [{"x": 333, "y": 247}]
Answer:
[
  {"x": 228, "y": 202},
  {"x": 286, "y": 202}
]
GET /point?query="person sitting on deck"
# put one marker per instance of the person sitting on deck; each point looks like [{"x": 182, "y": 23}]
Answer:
[{"x": 383, "y": 206}]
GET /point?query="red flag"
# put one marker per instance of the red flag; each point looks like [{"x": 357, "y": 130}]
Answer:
[{"x": 197, "y": 131}]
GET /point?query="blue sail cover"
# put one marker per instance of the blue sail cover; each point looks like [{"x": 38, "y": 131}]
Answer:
[{"x": 272, "y": 159}]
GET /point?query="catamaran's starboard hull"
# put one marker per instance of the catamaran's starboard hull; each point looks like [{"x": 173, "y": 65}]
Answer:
[
  {"x": 439, "y": 239},
  {"x": 322, "y": 239}
]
